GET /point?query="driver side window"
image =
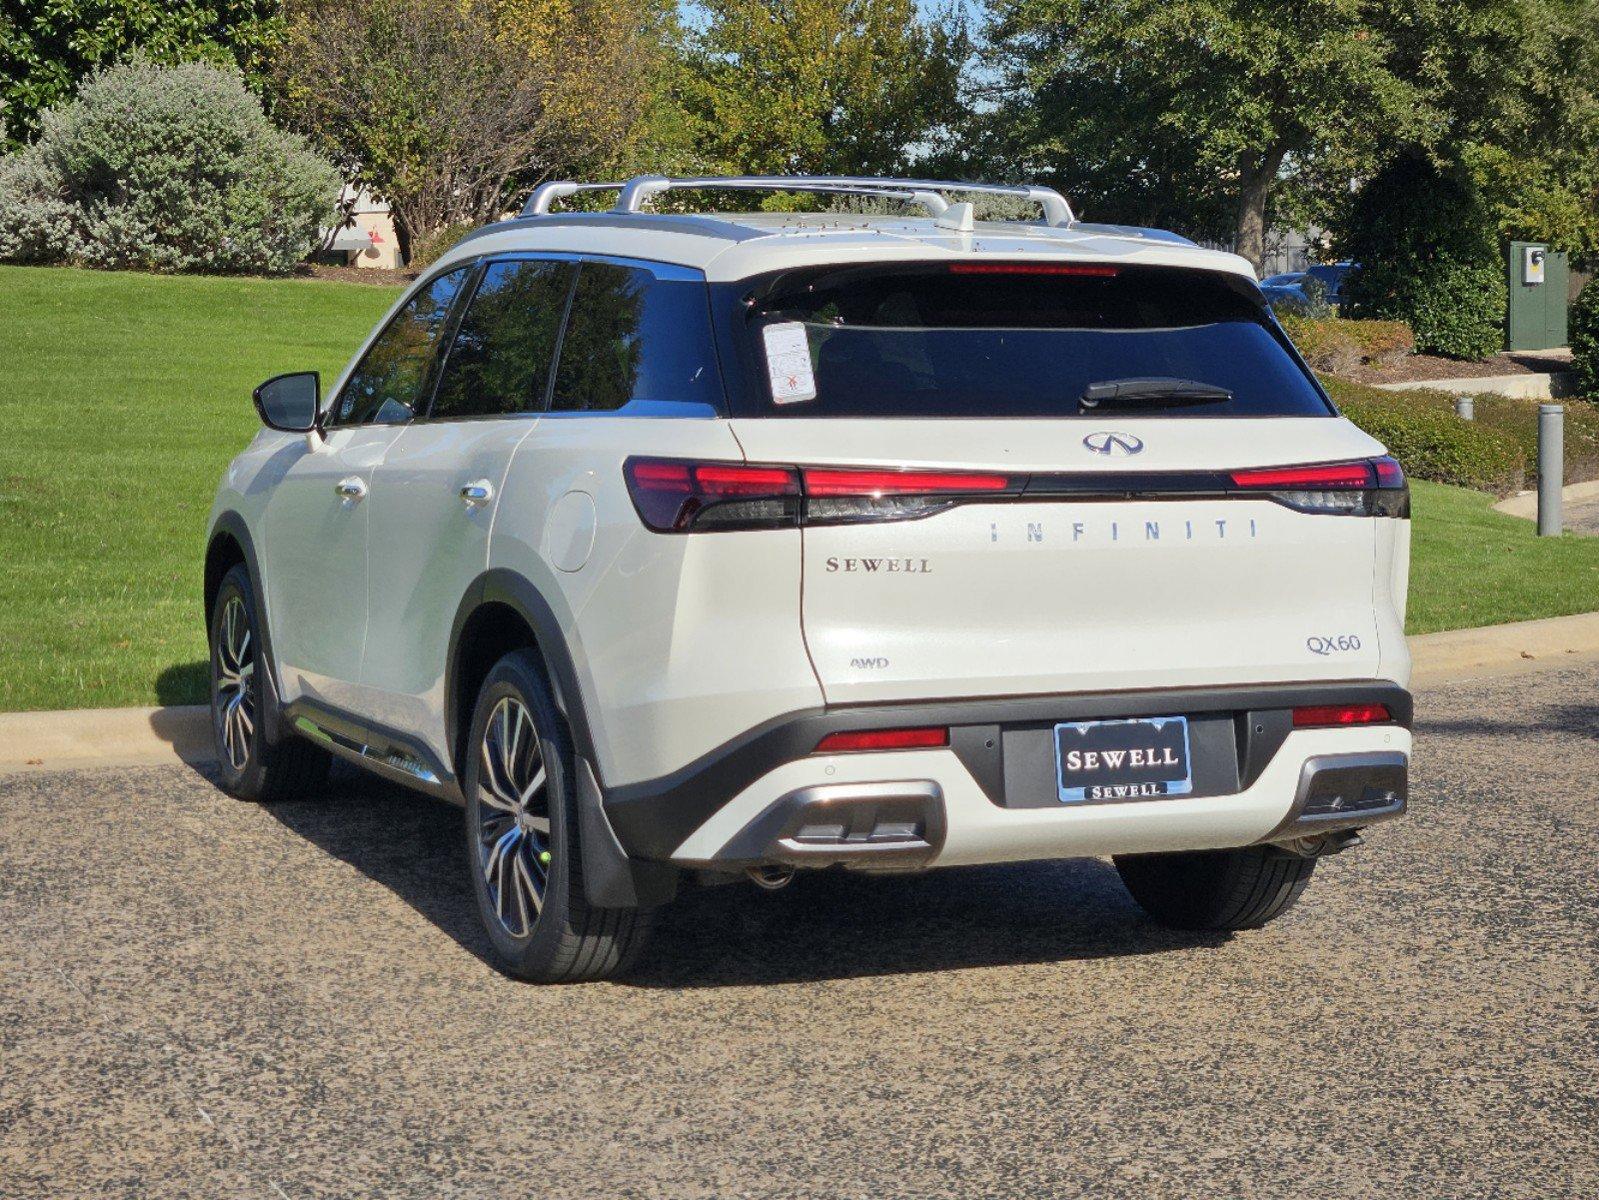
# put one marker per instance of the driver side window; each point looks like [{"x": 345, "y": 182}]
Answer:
[{"x": 391, "y": 380}]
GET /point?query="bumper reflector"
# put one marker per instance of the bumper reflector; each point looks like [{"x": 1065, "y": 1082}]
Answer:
[
  {"x": 1317, "y": 716},
  {"x": 883, "y": 739}
]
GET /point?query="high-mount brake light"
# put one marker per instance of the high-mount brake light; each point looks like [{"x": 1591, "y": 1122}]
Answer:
[
  {"x": 1322, "y": 716},
  {"x": 883, "y": 739},
  {"x": 1368, "y": 487},
  {"x": 1081, "y": 270}
]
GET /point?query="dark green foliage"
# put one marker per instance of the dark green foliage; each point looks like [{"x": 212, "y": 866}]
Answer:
[
  {"x": 47, "y": 46},
  {"x": 1584, "y": 334},
  {"x": 1497, "y": 452},
  {"x": 1430, "y": 257}
]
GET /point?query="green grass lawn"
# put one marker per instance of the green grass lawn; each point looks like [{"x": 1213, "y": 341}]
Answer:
[
  {"x": 125, "y": 395},
  {"x": 1470, "y": 565}
]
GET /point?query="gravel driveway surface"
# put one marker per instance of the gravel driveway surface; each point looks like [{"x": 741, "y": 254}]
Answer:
[{"x": 206, "y": 998}]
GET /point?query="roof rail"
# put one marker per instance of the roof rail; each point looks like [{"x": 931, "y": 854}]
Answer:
[{"x": 637, "y": 192}]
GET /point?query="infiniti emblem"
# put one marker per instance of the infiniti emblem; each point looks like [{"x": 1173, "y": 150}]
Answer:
[{"x": 1107, "y": 442}]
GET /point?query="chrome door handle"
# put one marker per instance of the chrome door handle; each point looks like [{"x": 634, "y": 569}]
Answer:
[
  {"x": 478, "y": 492},
  {"x": 352, "y": 488}
]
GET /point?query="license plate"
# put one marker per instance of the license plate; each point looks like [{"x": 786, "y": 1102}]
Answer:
[{"x": 1138, "y": 759}]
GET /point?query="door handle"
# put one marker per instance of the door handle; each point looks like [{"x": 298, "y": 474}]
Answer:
[
  {"x": 478, "y": 492},
  {"x": 353, "y": 488}
]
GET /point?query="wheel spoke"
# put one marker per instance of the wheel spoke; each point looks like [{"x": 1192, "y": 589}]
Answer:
[
  {"x": 533, "y": 786},
  {"x": 535, "y": 893},
  {"x": 493, "y": 791}
]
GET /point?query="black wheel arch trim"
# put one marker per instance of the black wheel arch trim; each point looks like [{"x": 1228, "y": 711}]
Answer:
[{"x": 611, "y": 877}]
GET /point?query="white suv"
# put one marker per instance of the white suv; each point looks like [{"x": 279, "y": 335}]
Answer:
[{"x": 683, "y": 547}]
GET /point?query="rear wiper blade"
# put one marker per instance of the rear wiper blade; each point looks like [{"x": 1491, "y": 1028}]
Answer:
[{"x": 1153, "y": 390}]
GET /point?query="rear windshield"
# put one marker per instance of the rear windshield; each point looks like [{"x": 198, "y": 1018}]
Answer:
[{"x": 990, "y": 339}]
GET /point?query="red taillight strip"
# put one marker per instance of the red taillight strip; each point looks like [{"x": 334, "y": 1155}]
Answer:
[
  {"x": 826, "y": 481},
  {"x": 883, "y": 739},
  {"x": 1328, "y": 475},
  {"x": 1327, "y": 715}
]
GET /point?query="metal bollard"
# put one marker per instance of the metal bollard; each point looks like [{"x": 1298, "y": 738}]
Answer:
[
  {"x": 1551, "y": 466},
  {"x": 1466, "y": 408}
]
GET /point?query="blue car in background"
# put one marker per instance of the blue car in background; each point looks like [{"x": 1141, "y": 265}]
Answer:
[{"x": 1288, "y": 290}]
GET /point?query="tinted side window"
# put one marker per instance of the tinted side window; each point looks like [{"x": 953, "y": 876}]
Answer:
[
  {"x": 388, "y": 383},
  {"x": 500, "y": 359},
  {"x": 632, "y": 338}
]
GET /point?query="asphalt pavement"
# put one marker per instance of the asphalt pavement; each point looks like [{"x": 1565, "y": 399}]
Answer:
[{"x": 200, "y": 997}]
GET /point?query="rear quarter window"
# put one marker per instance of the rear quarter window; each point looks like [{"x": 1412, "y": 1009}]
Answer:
[{"x": 990, "y": 339}]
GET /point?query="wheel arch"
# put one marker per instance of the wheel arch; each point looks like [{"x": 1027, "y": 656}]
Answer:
[
  {"x": 229, "y": 545},
  {"x": 501, "y": 612}
]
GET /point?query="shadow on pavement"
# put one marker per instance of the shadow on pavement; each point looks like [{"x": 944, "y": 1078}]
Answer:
[{"x": 825, "y": 925}]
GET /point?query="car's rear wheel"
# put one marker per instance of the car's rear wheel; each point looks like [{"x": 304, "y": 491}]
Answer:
[
  {"x": 251, "y": 769},
  {"x": 1216, "y": 889},
  {"x": 522, "y": 837}
]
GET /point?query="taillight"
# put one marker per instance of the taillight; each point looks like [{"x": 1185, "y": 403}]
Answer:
[
  {"x": 842, "y": 495},
  {"x": 1369, "y": 487},
  {"x": 1319, "y": 716},
  {"x": 674, "y": 497},
  {"x": 883, "y": 739}
]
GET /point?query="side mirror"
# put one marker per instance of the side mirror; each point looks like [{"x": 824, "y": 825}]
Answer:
[{"x": 290, "y": 402}]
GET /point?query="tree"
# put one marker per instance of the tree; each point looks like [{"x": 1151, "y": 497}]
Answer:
[
  {"x": 820, "y": 86},
  {"x": 1147, "y": 109},
  {"x": 1200, "y": 109},
  {"x": 450, "y": 109},
  {"x": 47, "y": 46}
]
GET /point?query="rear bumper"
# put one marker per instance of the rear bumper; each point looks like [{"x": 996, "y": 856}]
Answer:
[{"x": 767, "y": 798}]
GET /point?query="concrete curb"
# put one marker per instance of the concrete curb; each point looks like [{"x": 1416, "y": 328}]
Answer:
[
  {"x": 1525, "y": 504},
  {"x": 103, "y": 737},
  {"x": 1538, "y": 386}
]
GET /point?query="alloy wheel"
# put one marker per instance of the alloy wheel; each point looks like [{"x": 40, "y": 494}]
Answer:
[
  {"x": 233, "y": 708},
  {"x": 513, "y": 840}
]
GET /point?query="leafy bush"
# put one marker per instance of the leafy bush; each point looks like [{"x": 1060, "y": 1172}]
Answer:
[
  {"x": 1496, "y": 452},
  {"x": 1314, "y": 306},
  {"x": 1429, "y": 253},
  {"x": 164, "y": 169},
  {"x": 1335, "y": 344},
  {"x": 1584, "y": 336},
  {"x": 430, "y": 247}
]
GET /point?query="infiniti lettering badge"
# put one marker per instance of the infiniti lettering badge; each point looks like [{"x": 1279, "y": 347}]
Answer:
[{"x": 1107, "y": 442}]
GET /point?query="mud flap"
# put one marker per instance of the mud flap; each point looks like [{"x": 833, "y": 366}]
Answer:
[{"x": 610, "y": 878}]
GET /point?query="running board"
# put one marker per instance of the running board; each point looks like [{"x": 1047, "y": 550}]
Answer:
[{"x": 391, "y": 755}]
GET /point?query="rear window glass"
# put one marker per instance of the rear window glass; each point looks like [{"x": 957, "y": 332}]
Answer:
[
  {"x": 1010, "y": 341},
  {"x": 637, "y": 341}
]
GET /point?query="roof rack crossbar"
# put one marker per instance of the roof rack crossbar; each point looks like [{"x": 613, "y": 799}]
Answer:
[{"x": 637, "y": 192}]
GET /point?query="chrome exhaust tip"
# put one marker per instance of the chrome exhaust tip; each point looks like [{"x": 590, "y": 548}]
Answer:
[{"x": 771, "y": 876}]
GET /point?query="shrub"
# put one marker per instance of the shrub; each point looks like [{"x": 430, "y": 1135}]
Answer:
[
  {"x": 1584, "y": 337},
  {"x": 427, "y": 249},
  {"x": 1336, "y": 345},
  {"x": 1421, "y": 430},
  {"x": 165, "y": 169},
  {"x": 1430, "y": 256}
]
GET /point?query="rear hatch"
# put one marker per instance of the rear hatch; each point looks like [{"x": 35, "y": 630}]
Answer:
[{"x": 972, "y": 527}]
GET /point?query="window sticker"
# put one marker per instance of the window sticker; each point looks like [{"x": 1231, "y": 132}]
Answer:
[{"x": 788, "y": 361}]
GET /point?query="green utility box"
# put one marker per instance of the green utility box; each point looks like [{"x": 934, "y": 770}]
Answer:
[{"x": 1538, "y": 297}]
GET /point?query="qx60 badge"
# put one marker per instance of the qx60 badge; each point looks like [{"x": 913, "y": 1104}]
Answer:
[{"x": 1109, "y": 442}]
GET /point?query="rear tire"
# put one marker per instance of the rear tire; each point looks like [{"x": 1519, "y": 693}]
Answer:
[
  {"x": 522, "y": 837},
  {"x": 251, "y": 769},
  {"x": 1216, "y": 889}
]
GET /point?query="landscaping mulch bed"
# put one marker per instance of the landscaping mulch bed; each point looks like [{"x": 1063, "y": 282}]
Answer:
[
  {"x": 1415, "y": 367},
  {"x": 371, "y": 276}
]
